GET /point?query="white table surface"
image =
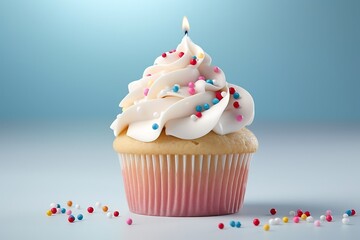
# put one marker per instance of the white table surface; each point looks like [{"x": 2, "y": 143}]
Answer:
[{"x": 314, "y": 167}]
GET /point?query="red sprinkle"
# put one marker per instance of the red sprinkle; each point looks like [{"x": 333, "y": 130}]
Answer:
[
  {"x": 299, "y": 212},
  {"x": 116, "y": 213},
  {"x": 90, "y": 209},
  {"x": 53, "y": 210},
  {"x": 198, "y": 114},
  {"x": 181, "y": 54},
  {"x": 221, "y": 226},
  {"x": 232, "y": 90},
  {"x": 237, "y": 105},
  {"x": 256, "y": 222},
  {"x": 307, "y": 213},
  {"x": 163, "y": 55},
  {"x": 193, "y": 61},
  {"x": 273, "y": 210},
  {"x": 218, "y": 95},
  {"x": 71, "y": 219},
  {"x": 328, "y": 218},
  {"x": 353, "y": 212}
]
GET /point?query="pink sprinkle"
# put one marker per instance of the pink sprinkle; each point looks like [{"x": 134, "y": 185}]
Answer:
[
  {"x": 163, "y": 55},
  {"x": 129, "y": 221},
  {"x": 216, "y": 69},
  {"x": 329, "y": 218},
  {"x": 146, "y": 91},
  {"x": 191, "y": 85},
  {"x": 191, "y": 91},
  {"x": 239, "y": 118},
  {"x": 148, "y": 75},
  {"x": 201, "y": 77},
  {"x": 317, "y": 223},
  {"x": 68, "y": 212},
  {"x": 328, "y": 212},
  {"x": 296, "y": 219}
]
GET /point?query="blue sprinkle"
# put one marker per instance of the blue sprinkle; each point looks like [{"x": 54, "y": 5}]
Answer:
[
  {"x": 155, "y": 126},
  {"x": 57, "y": 205},
  {"x": 198, "y": 108},
  {"x": 238, "y": 224},
  {"x": 348, "y": 212},
  {"x": 215, "y": 101},
  {"x": 175, "y": 88},
  {"x": 194, "y": 57},
  {"x": 210, "y": 81},
  {"x": 232, "y": 223},
  {"x": 63, "y": 210},
  {"x": 206, "y": 106},
  {"x": 236, "y": 95},
  {"x": 80, "y": 217}
]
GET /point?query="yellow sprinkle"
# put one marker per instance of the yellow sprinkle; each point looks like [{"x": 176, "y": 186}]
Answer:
[
  {"x": 201, "y": 55},
  {"x": 49, "y": 213},
  {"x": 303, "y": 216},
  {"x": 150, "y": 82},
  {"x": 266, "y": 227},
  {"x": 285, "y": 219},
  {"x": 123, "y": 109}
]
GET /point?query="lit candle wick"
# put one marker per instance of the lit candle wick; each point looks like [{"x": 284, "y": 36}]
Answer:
[{"x": 186, "y": 25}]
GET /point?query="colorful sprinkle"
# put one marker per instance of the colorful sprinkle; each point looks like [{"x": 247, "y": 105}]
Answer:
[
  {"x": 198, "y": 114},
  {"x": 218, "y": 95},
  {"x": 303, "y": 216},
  {"x": 194, "y": 57},
  {"x": 58, "y": 210},
  {"x": 201, "y": 55},
  {"x": 223, "y": 93},
  {"x": 285, "y": 219},
  {"x": 329, "y": 218},
  {"x": 53, "y": 210},
  {"x": 105, "y": 208},
  {"x": 299, "y": 212},
  {"x": 77, "y": 206},
  {"x": 201, "y": 77},
  {"x": 322, "y": 218},
  {"x": 193, "y": 117},
  {"x": 238, "y": 224},
  {"x": 296, "y": 219},
  {"x": 210, "y": 81},
  {"x": 345, "y": 221},
  {"x": 353, "y": 212},
  {"x": 198, "y": 108},
  {"x": 328, "y": 212},
  {"x": 232, "y": 90},
  {"x": 155, "y": 126},
  {"x": 206, "y": 106},
  {"x": 80, "y": 217},
  {"x": 232, "y": 223},
  {"x": 345, "y": 215},
  {"x": 191, "y": 84},
  {"x": 237, "y": 105},
  {"x": 148, "y": 75},
  {"x": 348, "y": 212},
  {"x": 90, "y": 209},
  {"x": 191, "y": 91},
  {"x": 310, "y": 219},
  {"x": 57, "y": 205},
  {"x": 129, "y": 221},
  {"x": 146, "y": 91},
  {"x": 176, "y": 88},
  {"x": 317, "y": 223},
  {"x": 164, "y": 55},
  {"x": 181, "y": 54},
  {"x": 266, "y": 227},
  {"x": 68, "y": 212},
  {"x": 49, "y": 213},
  {"x": 256, "y": 221},
  {"x": 215, "y": 101},
  {"x": 239, "y": 118},
  {"x": 109, "y": 215},
  {"x": 71, "y": 218},
  {"x": 63, "y": 210},
  {"x": 116, "y": 213},
  {"x": 193, "y": 61},
  {"x": 307, "y": 213},
  {"x": 236, "y": 95},
  {"x": 216, "y": 69},
  {"x": 221, "y": 226}
]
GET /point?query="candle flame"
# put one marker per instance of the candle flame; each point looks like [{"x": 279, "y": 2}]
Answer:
[{"x": 185, "y": 25}]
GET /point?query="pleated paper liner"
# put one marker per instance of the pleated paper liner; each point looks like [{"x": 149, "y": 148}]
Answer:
[{"x": 185, "y": 185}]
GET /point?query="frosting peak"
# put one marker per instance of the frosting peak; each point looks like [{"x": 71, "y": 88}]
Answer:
[{"x": 184, "y": 94}]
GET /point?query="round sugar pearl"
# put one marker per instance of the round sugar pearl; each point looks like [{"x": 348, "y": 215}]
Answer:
[
  {"x": 53, "y": 210},
  {"x": 271, "y": 221},
  {"x": 216, "y": 69},
  {"x": 256, "y": 222},
  {"x": 181, "y": 54},
  {"x": 191, "y": 91},
  {"x": 109, "y": 215},
  {"x": 303, "y": 216},
  {"x": 129, "y": 221},
  {"x": 273, "y": 211},
  {"x": 307, "y": 213},
  {"x": 58, "y": 210},
  {"x": 345, "y": 215},
  {"x": 155, "y": 126},
  {"x": 353, "y": 212},
  {"x": 198, "y": 108},
  {"x": 310, "y": 219},
  {"x": 116, "y": 213},
  {"x": 63, "y": 210},
  {"x": 296, "y": 219},
  {"x": 266, "y": 227},
  {"x": 236, "y": 95},
  {"x": 345, "y": 220},
  {"x": 49, "y": 213},
  {"x": 201, "y": 77},
  {"x": 328, "y": 212},
  {"x": 299, "y": 212},
  {"x": 90, "y": 209},
  {"x": 221, "y": 226},
  {"x": 292, "y": 213},
  {"x": 105, "y": 208},
  {"x": 329, "y": 218},
  {"x": 193, "y": 117},
  {"x": 176, "y": 88},
  {"x": 71, "y": 218},
  {"x": 80, "y": 217},
  {"x": 348, "y": 212},
  {"x": 53, "y": 205},
  {"x": 68, "y": 212},
  {"x": 322, "y": 218},
  {"x": 285, "y": 219},
  {"x": 69, "y": 203},
  {"x": 77, "y": 206},
  {"x": 191, "y": 84},
  {"x": 317, "y": 223},
  {"x": 232, "y": 223},
  {"x": 277, "y": 221},
  {"x": 238, "y": 224},
  {"x": 98, "y": 204},
  {"x": 206, "y": 106}
]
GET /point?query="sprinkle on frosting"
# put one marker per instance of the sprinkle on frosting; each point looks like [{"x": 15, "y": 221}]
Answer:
[
  {"x": 155, "y": 126},
  {"x": 216, "y": 69},
  {"x": 210, "y": 81},
  {"x": 164, "y": 55},
  {"x": 193, "y": 61},
  {"x": 236, "y": 104},
  {"x": 181, "y": 54},
  {"x": 236, "y": 95}
]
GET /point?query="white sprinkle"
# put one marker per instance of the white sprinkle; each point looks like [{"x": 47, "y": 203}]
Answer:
[
  {"x": 77, "y": 206},
  {"x": 58, "y": 210},
  {"x": 223, "y": 93},
  {"x": 310, "y": 219},
  {"x": 53, "y": 205},
  {"x": 214, "y": 82},
  {"x": 109, "y": 214},
  {"x": 277, "y": 221},
  {"x": 193, "y": 117},
  {"x": 98, "y": 204},
  {"x": 345, "y": 220},
  {"x": 271, "y": 221},
  {"x": 322, "y": 218},
  {"x": 345, "y": 215},
  {"x": 292, "y": 213}
]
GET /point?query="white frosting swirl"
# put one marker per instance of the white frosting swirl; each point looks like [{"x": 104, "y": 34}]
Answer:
[{"x": 170, "y": 94}]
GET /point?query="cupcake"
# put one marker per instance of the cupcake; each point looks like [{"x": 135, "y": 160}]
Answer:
[{"x": 181, "y": 137}]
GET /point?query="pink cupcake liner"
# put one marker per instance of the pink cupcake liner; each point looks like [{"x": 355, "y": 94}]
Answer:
[{"x": 185, "y": 185}]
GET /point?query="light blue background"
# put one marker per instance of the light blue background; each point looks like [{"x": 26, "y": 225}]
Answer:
[{"x": 73, "y": 59}]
